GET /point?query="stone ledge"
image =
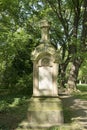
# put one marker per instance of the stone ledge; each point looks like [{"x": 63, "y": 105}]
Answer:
[
  {"x": 72, "y": 126},
  {"x": 44, "y": 103}
]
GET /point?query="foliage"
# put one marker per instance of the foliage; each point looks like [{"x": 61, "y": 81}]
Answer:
[
  {"x": 20, "y": 34},
  {"x": 14, "y": 106}
]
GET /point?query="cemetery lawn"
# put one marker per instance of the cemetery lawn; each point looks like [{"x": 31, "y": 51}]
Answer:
[
  {"x": 75, "y": 108},
  {"x": 13, "y": 110}
]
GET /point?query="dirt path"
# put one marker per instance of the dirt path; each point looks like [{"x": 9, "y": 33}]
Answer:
[{"x": 77, "y": 109}]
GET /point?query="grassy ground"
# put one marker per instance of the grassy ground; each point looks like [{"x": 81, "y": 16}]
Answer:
[
  {"x": 13, "y": 109},
  {"x": 75, "y": 107},
  {"x": 75, "y": 110},
  {"x": 83, "y": 92}
]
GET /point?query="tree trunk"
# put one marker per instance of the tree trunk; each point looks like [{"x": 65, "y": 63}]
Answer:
[
  {"x": 62, "y": 72},
  {"x": 71, "y": 84},
  {"x": 62, "y": 76}
]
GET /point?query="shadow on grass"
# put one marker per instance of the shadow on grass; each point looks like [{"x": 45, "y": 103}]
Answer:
[
  {"x": 73, "y": 108},
  {"x": 81, "y": 95},
  {"x": 13, "y": 110},
  {"x": 67, "y": 112}
]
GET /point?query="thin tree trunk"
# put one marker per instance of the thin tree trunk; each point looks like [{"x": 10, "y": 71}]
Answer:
[{"x": 62, "y": 76}]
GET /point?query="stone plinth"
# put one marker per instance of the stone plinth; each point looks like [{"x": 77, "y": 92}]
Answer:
[{"x": 45, "y": 112}]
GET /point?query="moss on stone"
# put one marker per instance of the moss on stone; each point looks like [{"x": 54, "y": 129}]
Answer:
[{"x": 45, "y": 104}]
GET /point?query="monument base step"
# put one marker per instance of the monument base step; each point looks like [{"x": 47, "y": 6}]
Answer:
[
  {"x": 45, "y": 112},
  {"x": 72, "y": 126}
]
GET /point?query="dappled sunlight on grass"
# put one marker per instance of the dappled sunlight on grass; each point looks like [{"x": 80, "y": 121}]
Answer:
[
  {"x": 75, "y": 107},
  {"x": 13, "y": 110},
  {"x": 81, "y": 95},
  {"x": 17, "y": 101},
  {"x": 14, "y": 107}
]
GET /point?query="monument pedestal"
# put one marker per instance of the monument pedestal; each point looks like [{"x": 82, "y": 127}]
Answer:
[{"x": 45, "y": 112}]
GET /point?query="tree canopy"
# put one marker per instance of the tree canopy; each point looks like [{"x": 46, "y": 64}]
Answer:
[{"x": 20, "y": 34}]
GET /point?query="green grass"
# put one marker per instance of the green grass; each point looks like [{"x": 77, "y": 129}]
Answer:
[
  {"x": 68, "y": 113},
  {"x": 14, "y": 106},
  {"x": 83, "y": 92},
  {"x": 13, "y": 109},
  {"x": 82, "y": 87}
]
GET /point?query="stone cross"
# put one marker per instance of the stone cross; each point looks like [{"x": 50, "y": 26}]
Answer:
[{"x": 45, "y": 25}]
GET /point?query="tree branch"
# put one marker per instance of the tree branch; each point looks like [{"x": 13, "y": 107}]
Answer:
[
  {"x": 76, "y": 17},
  {"x": 60, "y": 16}
]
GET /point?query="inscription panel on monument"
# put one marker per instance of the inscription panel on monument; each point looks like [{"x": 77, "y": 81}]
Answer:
[{"x": 45, "y": 78}]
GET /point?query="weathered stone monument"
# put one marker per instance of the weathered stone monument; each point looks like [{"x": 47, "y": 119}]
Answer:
[{"x": 45, "y": 108}]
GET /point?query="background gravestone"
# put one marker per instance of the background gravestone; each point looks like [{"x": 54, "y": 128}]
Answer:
[{"x": 45, "y": 108}]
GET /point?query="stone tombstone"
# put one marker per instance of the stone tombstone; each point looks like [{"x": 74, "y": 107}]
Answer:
[
  {"x": 45, "y": 65},
  {"x": 45, "y": 107}
]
